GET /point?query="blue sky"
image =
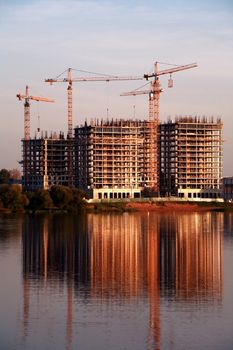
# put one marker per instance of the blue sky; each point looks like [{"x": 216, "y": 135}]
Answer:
[{"x": 40, "y": 39}]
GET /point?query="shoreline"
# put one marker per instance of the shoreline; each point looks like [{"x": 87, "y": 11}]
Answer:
[
  {"x": 165, "y": 206},
  {"x": 133, "y": 206}
]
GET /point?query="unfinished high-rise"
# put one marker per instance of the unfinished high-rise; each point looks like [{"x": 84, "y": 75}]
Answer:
[
  {"x": 45, "y": 161},
  {"x": 112, "y": 158},
  {"x": 191, "y": 157}
]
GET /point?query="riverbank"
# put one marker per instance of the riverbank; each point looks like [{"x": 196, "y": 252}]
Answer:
[
  {"x": 64, "y": 199},
  {"x": 132, "y": 205},
  {"x": 163, "y": 206},
  {"x": 121, "y": 207}
]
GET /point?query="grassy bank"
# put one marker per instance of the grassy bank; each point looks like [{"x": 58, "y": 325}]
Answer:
[{"x": 164, "y": 206}]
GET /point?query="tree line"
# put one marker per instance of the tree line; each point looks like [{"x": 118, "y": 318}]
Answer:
[{"x": 57, "y": 197}]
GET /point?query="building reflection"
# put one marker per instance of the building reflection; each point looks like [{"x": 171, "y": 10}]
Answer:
[
  {"x": 116, "y": 256},
  {"x": 55, "y": 253},
  {"x": 10, "y": 228},
  {"x": 121, "y": 257},
  {"x": 198, "y": 258},
  {"x": 228, "y": 227}
]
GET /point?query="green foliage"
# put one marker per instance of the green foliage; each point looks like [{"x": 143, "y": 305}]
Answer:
[
  {"x": 4, "y": 176},
  {"x": 77, "y": 201},
  {"x": 58, "y": 197},
  {"x": 66, "y": 198},
  {"x": 12, "y": 198},
  {"x": 39, "y": 200},
  {"x": 61, "y": 196}
]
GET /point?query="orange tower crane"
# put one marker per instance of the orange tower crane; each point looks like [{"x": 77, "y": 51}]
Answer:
[
  {"x": 69, "y": 79},
  {"x": 27, "y": 99},
  {"x": 26, "y": 146},
  {"x": 154, "y": 92}
]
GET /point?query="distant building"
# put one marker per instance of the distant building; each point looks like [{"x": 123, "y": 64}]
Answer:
[
  {"x": 191, "y": 158},
  {"x": 45, "y": 162},
  {"x": 227, "y": 188},
  {"x": 111, "y": 158}
]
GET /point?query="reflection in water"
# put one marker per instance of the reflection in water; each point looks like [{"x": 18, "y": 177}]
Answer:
[
  {"x": 55, "y": 249},
  {"x": 116, "y": 256},
  {"x": 10, "y": 230},
  {"x": 228, "y": 227},
  {"x": 126, "y": 257},
  {"x": 198, "y": 258}
]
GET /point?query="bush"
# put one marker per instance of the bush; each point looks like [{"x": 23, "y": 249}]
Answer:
[
  {"x": 62, "y": 196},
  {"x": 66, "y": 198},
  {"x": 77, "y": 201},
  {"x": 4, "y": 176},
  {"x": 39, "y": 200},
  {"x": 12, "y": 198}
]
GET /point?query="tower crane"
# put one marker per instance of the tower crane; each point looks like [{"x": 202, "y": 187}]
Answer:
[
  {"x": 152, "y": 169},
  {"x": 26, "y": 145},
  {"x": 69, "y": 79},
  {"x": 27, "y": 99}
]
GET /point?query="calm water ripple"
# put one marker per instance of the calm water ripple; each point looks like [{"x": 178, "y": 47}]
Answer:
[{"x": 116, "y": 281}]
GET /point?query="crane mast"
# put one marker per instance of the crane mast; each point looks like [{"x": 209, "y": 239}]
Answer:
[
  {"x": 27, "y": 115},
  {"x": 70, "y": 81},
  {"x": 27, "y": 99},
  {"x": 26, "y": 144},
  {"x": 152, "y": 167},
  {"x": 69, "y": 91}
]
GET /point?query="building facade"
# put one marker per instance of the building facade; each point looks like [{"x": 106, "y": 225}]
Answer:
[
  {"x": 111, "y": 158},
  {"x": 191, "y": 158},
  {"x": 45, "y": 161}
]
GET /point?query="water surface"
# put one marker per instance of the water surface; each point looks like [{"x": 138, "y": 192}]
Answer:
[{"x": 116, "y": 281}]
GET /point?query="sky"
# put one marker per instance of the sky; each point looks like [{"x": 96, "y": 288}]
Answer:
[{"x": 41, "y": 39}]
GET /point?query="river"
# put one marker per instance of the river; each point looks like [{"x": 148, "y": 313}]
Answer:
[{"x": 127, "y": 281}]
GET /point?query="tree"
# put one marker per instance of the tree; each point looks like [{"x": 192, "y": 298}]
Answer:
[
  {"x": 12, "y": 198},
  {"x": 40, "y": 200},
  {"x": 78, "y": 195},
  {"x": 4, "y": 176},
  {"x": 15, "y": 174},
  {"x": 62, "y": 196}
]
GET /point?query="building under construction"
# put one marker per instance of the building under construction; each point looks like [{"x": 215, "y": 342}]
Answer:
[
  {"x": 191, "y": 158},
  {"x": 112, "y": 158},
  {"x": 45, "y": 161}
]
